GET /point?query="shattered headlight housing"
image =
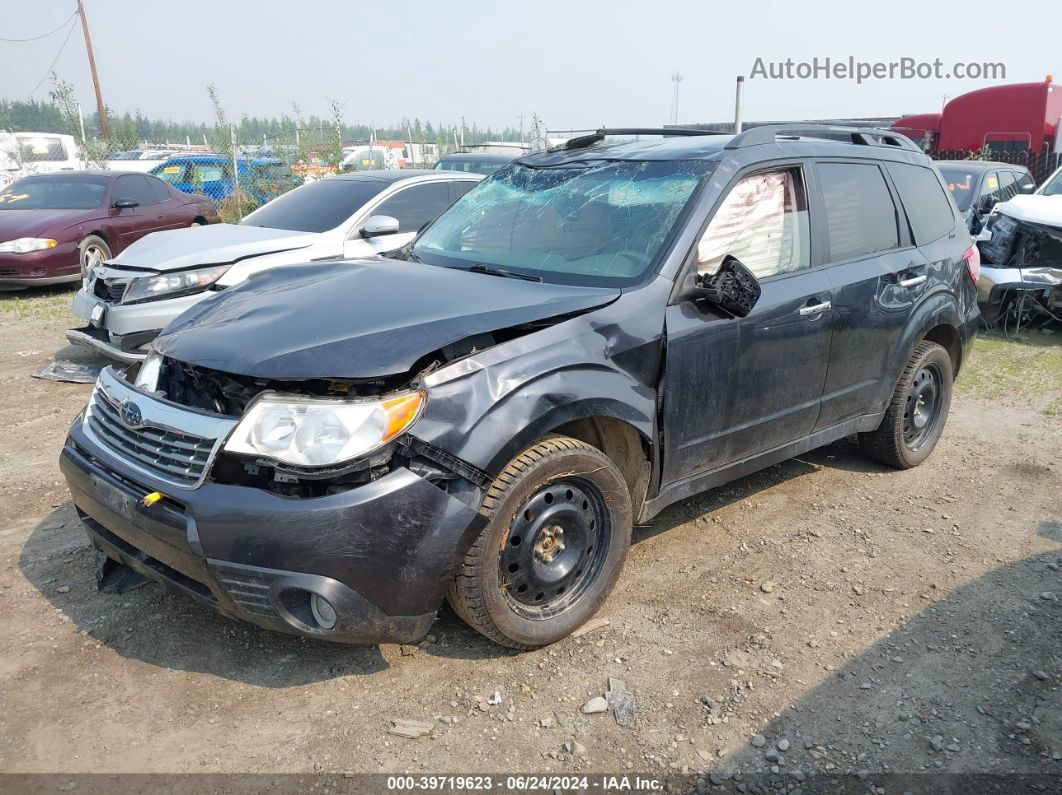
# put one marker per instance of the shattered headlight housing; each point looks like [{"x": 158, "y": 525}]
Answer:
[
  {"x": 148, "y": 287},
  {"x": 319, "y": 432},
  {"x": 24, "y": 245}
]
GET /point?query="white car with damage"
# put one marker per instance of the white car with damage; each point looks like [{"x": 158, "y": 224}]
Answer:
[
  {"x": 127, "y": 301},
  {"x": 1022, "y": 252}
]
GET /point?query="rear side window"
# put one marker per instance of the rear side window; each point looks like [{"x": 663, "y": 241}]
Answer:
[
  {"x": 860, "y": 213},
  {"x": 927, "y": 205}
]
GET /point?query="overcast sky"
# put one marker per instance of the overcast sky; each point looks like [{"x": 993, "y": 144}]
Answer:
[{"x": 574, "y": 64}]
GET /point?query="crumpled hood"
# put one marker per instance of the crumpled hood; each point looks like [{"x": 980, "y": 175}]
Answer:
[
  {"x": 360, "y": 319},
  {"x": 1034, "y": 209},
  {"x": 214, "y": 244}
]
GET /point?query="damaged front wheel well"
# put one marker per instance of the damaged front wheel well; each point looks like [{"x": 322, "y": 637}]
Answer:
[{"x": 623, "y": 444}]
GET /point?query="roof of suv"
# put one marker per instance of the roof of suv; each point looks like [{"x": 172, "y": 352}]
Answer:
[{"x": 677, "y": 144}]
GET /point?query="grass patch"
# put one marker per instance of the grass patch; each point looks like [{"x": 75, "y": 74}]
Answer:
[
  {"x": 1027, "y": 367},
  {"x": 50, "y": 304}
]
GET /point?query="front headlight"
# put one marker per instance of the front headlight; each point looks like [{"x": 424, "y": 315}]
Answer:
[
  {"x": 24, "y": 245},
  {"x": 147, "y": 287},
  {"x": 317, "y": 432}
]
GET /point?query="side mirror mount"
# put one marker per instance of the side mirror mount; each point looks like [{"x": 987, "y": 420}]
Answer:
[
  {"x": 125, "y": 204},
  {"x": 987, "y": 203},
  {"x": 378, "y": 225},
  {"x": 733, "y": 288}
]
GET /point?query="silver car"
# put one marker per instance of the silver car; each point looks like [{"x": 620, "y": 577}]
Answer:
[{"x": 128, "y": 300}]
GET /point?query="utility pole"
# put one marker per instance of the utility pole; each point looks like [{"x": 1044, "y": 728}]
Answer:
[
  {"x": 676, "y": 78},
  {"x": 105, "y": 126}
]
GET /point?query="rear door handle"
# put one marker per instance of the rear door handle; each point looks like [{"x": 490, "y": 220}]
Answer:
[
  {"x": 815, "y": 309},
  {"x": 912, "y": 281}
]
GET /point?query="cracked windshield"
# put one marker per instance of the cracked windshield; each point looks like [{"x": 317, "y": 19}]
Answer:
[{"x": 593, "y": 223}]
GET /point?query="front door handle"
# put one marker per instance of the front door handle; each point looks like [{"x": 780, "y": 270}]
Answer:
[
  {"x": 912, "y": 281},
  {"x": 815, "y": 309}
]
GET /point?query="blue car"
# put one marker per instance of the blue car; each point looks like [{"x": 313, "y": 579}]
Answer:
[{"x": 260, "y": 178}]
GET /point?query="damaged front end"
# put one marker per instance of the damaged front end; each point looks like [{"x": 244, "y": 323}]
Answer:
[
  {"x": 1021, "y": 271},
  {"x": 358, "y": 552},
  {"x": 296, "y": 499}
]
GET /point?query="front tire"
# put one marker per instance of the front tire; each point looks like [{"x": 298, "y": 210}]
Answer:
[
  {"x": 92, "y": 251},
  {"x": 915, "y": 419},
  {"x": 558, "y": 528}
]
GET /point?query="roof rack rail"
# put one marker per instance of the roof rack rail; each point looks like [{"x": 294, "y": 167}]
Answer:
[
  {"x": 862, "y": 136},
  {"x": 595, "y": 136}
]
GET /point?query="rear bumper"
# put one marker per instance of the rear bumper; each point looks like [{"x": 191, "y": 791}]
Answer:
[{"x": 382, "y": 554}]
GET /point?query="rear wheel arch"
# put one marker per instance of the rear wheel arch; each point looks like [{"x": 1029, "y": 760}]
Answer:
[{"x": 947, "y": 337}]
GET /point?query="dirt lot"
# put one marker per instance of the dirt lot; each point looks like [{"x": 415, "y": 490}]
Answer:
[{"x": 867, "y": 621}]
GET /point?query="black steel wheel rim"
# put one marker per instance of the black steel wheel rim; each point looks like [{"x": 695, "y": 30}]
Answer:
[
  {"x": 921, "y": 412},
  {"x": 555, "y": 547}
]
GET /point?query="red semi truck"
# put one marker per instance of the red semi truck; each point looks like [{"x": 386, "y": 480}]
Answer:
[{"x": 1021, "y": 117}]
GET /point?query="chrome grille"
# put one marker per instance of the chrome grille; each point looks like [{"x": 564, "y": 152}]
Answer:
[{"x": 167, "y": 442}]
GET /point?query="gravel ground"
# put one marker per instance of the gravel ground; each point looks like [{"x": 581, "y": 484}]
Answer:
[{"x": 823, "y": 616}]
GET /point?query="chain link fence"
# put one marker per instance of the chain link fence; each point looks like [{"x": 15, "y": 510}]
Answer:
[{"x": 240, "y": 176}]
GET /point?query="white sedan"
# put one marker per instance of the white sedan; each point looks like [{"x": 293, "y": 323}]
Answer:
[{"x": 128, "y": 300}]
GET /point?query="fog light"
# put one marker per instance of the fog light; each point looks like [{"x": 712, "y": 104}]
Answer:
[{"x": 323, "y": 612}]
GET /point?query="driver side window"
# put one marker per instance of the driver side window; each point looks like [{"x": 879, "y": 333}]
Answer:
[{"x": 763, "y": 222}]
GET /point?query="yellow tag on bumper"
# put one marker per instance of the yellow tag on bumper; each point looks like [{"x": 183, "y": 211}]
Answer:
[{"x": 152, "y": 498}]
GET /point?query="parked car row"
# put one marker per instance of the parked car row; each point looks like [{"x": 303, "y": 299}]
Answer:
[
  {"x": 126, "y": 301},
  {"x": 478, "y": 407}
]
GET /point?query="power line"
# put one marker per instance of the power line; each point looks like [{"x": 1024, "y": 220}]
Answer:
[
  {"x": 44, "y": 35},
  {"x": 56, "y": 58}
]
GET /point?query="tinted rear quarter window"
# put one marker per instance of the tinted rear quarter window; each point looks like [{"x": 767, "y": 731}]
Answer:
[
  {"x": 925, "y": 201},
  {"x": 860, "y": 213}
]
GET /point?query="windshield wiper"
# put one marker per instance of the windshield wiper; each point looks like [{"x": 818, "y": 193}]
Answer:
[{"x": 492, "y": 271}]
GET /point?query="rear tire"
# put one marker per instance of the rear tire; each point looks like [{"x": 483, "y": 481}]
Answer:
[
  {"x": 92, "y": 251},
  {"x": 558, "y": 529},
  {"x": 916, "y": 415}
]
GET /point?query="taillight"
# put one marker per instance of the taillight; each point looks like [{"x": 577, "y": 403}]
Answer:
[{"x": 973, "y": 262}]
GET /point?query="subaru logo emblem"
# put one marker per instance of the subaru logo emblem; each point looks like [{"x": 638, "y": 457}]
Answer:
[{"x": 131, "y": 415}]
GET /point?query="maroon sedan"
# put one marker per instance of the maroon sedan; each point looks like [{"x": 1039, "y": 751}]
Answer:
[{"x": 53, "y": 227}]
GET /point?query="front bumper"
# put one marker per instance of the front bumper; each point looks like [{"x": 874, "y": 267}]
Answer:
[
  {"x": 120, "y": 320},
  {"x": 131, "y": 348},
  {"x": 57, "y": 265},
  {"x": 996, "y": 283},
  {"x": 382, "y": 554}
]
